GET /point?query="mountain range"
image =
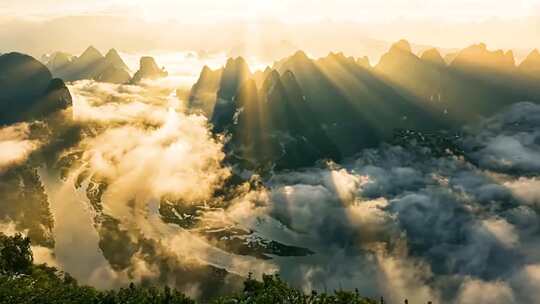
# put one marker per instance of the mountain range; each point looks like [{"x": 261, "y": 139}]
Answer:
[
  {"x": 91, "y": 64},
  {"x": 300, "y": 109}
]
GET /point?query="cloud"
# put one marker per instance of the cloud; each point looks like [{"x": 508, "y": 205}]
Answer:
[
  {"x": 508, "y": 141},
  {"x": 480, "y": 292},
  {"x": 16, "y": 145},
  {"x": 503, "y": 231},
  {"x": 143, "y": 149},
  {"x": 392, "y": 221},
  {"x": 429, "y": 228},
  {"x": 527, "y": 189},
  {"x": 102, "y": 103}
]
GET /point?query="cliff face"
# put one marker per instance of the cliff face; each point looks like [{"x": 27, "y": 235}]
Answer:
[
  {"x": 203, "y": 94},
  {"x": 28, "y": 89}
]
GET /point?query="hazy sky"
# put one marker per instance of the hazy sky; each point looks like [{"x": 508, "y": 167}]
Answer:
[
  {"x": 292, "y": 10},
  {"x": 315, "y": 25}
]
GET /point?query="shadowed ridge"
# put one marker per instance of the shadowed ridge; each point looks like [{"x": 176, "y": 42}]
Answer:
[
  {"x": 303, "y": 124},
  {"x": 235, "y": 72},
  {"x": 351, "y": 107},
  {"x": 274, "y": 104},
  {"x": 116, "y": 70},
  {"x": 480, "y": 82},
  {"x": 417, "y": 79},
  {"x": 203, "y": 94},
  {"x": 260, "y": 76},
  {"x": 247, "y": 130}
]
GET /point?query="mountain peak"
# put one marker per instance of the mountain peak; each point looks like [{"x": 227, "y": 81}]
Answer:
[
  {"x": 237, "y": 64},
  {"x": 478, "y": 55},
  {"x": 363, "y": 62},
  {"x": 433, "y": 56},
  {"x": 532, "y": 62},
  {"x": 240, "y": 60},
  {"x": 148, "y": 69},
  {"x": 402, "y": 46},
  {"x": 509, "y": 58},
  {"x": 271, "y": 80},
  {"x": 205, "y": 70},
  {"x": 300, "y": 55},
  {"x": 58, "y": 60},
  {"x": 91, "y": 53},
  {"x": 534, "y": 56},
  {"x": 112, "y": 52},
  {"x": 115, "y": 60}
]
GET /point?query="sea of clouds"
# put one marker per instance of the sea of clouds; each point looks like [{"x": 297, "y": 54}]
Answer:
[{"x": 391, "y": 221}]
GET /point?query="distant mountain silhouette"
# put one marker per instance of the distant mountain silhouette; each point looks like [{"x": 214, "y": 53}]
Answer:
[
  {"x": 58, "y": 61},
  {"x": 478, "y": 58},
  {"x": 90, "y": 65},
  {"x": 28, "y": 90},
  {"x": 339, "y": 105},
  {"x": 148, "y": 69}
]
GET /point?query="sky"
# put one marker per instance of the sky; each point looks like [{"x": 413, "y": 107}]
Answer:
[
  {"x": 317, "y": 26},
  {"x": 291, "y": 11}
]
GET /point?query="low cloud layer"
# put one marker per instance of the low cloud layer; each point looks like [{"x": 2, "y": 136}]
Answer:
[
  {"x": 393, "y": 221},
  {"x": 439, "y": 229},
  {"x": 15, "y": 145}
]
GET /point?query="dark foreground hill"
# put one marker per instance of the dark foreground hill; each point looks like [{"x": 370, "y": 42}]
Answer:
[{"x": 28, "y": 90}]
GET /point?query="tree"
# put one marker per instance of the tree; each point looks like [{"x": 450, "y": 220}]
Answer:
[{"x": 15, "y": 254}]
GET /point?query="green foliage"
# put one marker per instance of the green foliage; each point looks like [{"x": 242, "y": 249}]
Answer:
[
  {"x": 15, "y": 255},
  {"x": 22, "y": 282},
  {"x": 273, "y": 290},
  {"x": 45, "y": 285}
]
